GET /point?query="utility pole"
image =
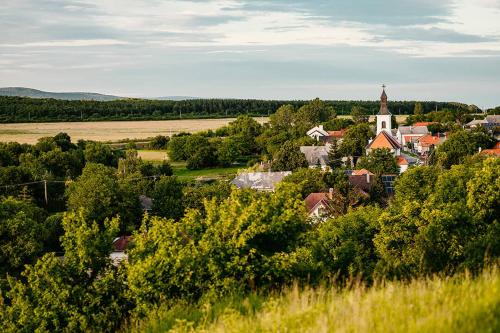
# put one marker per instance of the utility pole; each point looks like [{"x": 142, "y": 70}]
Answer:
[{"x": 45, "y": 190}]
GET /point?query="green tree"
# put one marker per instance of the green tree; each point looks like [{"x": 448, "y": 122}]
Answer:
[
  {"x": 460, "y": 145},
  {"x": 358, "y": 115},
  {"x": 288, "y": 158},
  {"x": 99, "y": 194},
  {"x": 167, "y": 198},
  {"x": 97, "y": 152},
  {"x": 309, "y": 180},
  {"x": 379, "y": 161},
  {"x": 22, "y": 234},
  {"x": 248, "y": 241},
  {"x": 344, "y": 245},
  {"x": 81, "y": 293},
  {"x": 355, "y": 141},
  {"x": 334, "y": 156}
]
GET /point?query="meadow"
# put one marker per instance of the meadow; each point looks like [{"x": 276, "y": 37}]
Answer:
[{"x": 456, "y": 304}]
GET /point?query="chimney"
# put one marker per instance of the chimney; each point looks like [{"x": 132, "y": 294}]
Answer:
[
  {"x": 321, "y": 127},
  {"x": 330, "y": 193},
  {"x": 368, "y": 177},
  {"x": 480, "y": 149}
]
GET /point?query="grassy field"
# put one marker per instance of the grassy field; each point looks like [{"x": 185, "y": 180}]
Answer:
[
  {"x": 153, "y": 155},
  {"x": 459, "y": 304},
  {"x": 108, "y": 130},
  {"x": 182, "y": 172}
]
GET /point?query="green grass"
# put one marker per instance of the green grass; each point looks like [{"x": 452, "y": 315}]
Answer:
[
  {"x": 181, "y": 171},
  {"x": 458, "y": 304}
]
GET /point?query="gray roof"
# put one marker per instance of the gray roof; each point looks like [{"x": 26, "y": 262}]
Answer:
[
  {"x": 146, "y": 203},
  {"x": 316, "y": 153},
  {"x": 413, "y": 129},
  {"x": 262, "y": 181},
  {"x": 411, "y": 160},
  {"x": 493, "y": 119}
]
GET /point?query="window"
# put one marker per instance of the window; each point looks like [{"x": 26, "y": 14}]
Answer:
[{"x": 383, "y": 124}]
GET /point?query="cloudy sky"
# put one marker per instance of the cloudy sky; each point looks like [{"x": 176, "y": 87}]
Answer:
[{"x": 273, "y": 49}]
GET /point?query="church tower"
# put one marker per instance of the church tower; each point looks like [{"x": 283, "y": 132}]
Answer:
[{"x": 384, "y": 116}]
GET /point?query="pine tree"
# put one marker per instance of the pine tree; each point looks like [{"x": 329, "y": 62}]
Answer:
[{"x": 334, "y": 156}]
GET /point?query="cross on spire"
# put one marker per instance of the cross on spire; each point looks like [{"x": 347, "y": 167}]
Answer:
[{"x": 383, "y": 86}]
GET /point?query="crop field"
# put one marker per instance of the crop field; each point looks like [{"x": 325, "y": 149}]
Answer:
[
  {"x": 108, "y": 130},
  {"x": 116, "y": 130}
]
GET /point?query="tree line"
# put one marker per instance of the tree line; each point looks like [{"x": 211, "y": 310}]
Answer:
[{"x": 24, "y": 109}]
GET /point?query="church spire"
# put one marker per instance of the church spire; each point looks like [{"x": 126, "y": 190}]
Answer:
[{"x": 383, "y": 103}]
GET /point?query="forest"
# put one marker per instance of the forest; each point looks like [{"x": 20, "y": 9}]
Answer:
[
  {"x": 22, "y": 109},
  {"x": 207, "y": 251}
]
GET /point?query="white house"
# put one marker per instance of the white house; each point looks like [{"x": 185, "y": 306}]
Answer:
[{"x": 317, "y": 133}]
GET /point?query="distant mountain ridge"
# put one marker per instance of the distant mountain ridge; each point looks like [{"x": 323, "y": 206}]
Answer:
[
  {"x": 74, "y": 96},
  {"x": 34, "y": 93}
]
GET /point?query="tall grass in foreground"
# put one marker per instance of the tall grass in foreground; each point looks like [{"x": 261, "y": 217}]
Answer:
[{"x": 458, "y": 304}]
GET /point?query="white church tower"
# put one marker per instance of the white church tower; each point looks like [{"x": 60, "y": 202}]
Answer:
[{"x": 384, "y": 116}]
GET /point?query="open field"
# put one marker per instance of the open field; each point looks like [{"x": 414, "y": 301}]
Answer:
[
  {"x": 458, "y": 304},
  {"x": 182, "y": 172},
  {"x": 117, "y": 130},
  {"x": 108, "y": 130},
  {"x": 153, "y": 155}
]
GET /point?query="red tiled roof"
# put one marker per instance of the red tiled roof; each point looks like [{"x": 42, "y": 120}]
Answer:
[
  {"x": 497, "y": 145},
  {"x": 384, "y": 140},
  {"x": 314, "y": 198},
  {"x": 337, "y": 134},
  {"x": 429, "y": 140},
  {"x": 120, "y": 244},
  {"x": 362, "y": 172},
  {"x": 360, "y": 181},
  {"x": 425, "y": 123},
  {"x": 494, "y": 151},
  {"x": 402, "y": 161}
]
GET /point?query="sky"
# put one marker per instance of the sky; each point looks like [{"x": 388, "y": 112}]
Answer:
[{"x": 444, "y": 50}]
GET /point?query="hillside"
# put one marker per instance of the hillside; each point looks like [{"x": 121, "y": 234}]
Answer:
[
  {"x": 459, "y": 304},
  {"x": 70, "y": 96}
]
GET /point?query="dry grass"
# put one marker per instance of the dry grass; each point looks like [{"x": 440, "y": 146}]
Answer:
[
  {"x": 152, "y": 155},
  {"x": 459, "y": 304},
  {"x": 108, "y": 130}
]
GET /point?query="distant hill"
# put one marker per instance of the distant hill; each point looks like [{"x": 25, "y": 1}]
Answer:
[
  {"x": 71, "y": 96},
  {"x": 74, "y": 96}
]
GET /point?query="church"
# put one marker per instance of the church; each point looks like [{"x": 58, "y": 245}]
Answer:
[{"x": 385, "y": 137}]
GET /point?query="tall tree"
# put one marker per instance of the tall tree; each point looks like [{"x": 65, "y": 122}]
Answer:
[
  {"x": 289, "y": 158},
  {"x": 334, "y": 156}
]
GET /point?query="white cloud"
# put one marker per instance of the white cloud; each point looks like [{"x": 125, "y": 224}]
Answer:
[{"x": 68, "y": 43}]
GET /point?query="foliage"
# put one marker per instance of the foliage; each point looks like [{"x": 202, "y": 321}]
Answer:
[
  {"x": 460, "y": 145},
  {"x": 97, "y": 152},
  {"x": 100, "y": 195},
  {"x": 167, "y": 198},
  {"x": 334, "y": 155},
  {"x": 309, "y": 180},
  {"x": 81, "y": 293},
  {"x": 288, "y": 158},
  {"x": 159, "y": 142},
  {"x": 355, "y": 140},
  {"x": 195, "y": 194},
  {"x": 379, "y": 161},
  {"x": 344, "y": 247},
  {"x": 22, "y": 234},
  {"x": 247, "y": 241}
]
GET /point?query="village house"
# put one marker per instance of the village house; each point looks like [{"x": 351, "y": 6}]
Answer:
[
  {"x": 318, "y": 205},
  {"x": 318, "y": 133},
  {"x": 260, "y": 181},
  {"x": 489, "y": 122},
  {"x": 495, "y": 151},
  {"x": 428, "y": 142},
  {"x": 316, "y": 156},
  {"x": 410, "y": 134}
]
